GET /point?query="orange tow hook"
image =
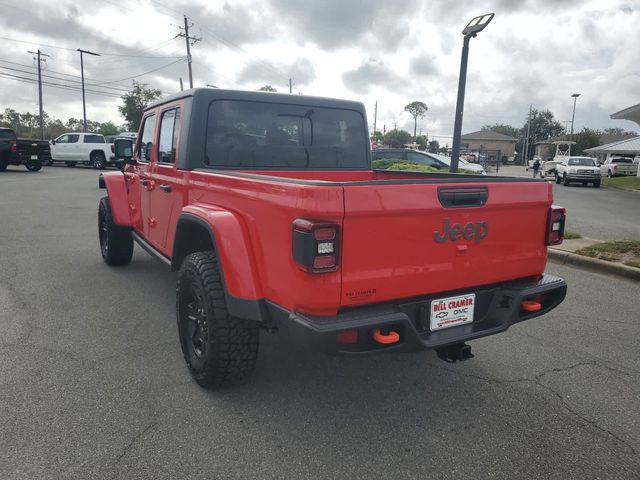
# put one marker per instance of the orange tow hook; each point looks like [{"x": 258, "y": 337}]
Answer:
[
  {"x": 531, "y": 305},
  {"x": 388, "y": 339}
]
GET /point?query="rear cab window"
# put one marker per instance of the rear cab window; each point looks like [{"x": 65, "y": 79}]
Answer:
[
  {"x": 262, "y": 135},
  {"x": 93, "y": 139},
  {"x": 7, "y": 135}
]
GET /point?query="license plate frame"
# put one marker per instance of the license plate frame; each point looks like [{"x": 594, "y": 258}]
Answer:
[
  {"x": 34, "y": 157},
  {"x": 451, "y": 312}
]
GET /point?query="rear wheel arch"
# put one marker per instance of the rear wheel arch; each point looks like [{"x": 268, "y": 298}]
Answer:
[{"x": 195, "y": 234}]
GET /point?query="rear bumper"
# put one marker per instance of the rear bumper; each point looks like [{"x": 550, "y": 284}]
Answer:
[{"x": 497, "y": 308}]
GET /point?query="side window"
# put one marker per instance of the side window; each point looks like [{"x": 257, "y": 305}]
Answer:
[
  {"x": 73, "y": 138},
  {"x": 168, "y": 136},
  {"x": 63, "y": 139},
  {"x": 93, "y": 139},
  {"x": 145, "y": 147}
]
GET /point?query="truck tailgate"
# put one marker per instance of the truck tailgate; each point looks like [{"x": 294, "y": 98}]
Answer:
[{"x": 402, "y": 240}]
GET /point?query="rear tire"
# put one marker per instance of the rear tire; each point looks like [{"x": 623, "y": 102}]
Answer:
[
  {"x": 33, "y": 167},
  {"x": 70, "y": 164},
  {"x": 219, "y": 349},
  {"x": 116, "y": 243},
  {"x": 3, "y": 165},
  {"x": 98, "y": 161}
]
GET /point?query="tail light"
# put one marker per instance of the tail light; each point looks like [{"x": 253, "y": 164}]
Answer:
[
  {"x": 555, "y": 225},
  {"x": 13, "y": 146},
  {"x": 315, "y": 245}
]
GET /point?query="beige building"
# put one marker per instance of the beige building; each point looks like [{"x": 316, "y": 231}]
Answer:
[{"x": 491, "y": 141}]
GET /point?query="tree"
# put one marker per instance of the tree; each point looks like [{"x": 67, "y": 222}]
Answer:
[
  {"x": 619, "y": 131},
  {"x": 543, "y": 127},
  {"x": 108, "y": 128},
  {"x": 267, "y": 88},
  {"x": 135, "y": 102},
  {"x": 423, "y": 142},
  {"x": 434, "y": 146},
  {"x": 504, "y": 129},
  {"x": 586, "y": 138},
  {"x": 416, "y": 109},
  {"x": 396, "y": 138}
]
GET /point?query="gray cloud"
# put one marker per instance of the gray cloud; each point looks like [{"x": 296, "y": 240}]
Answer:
[
  {"x": 334, "y": 24},
  {"x": 423, "y": 65},
  {"x": 261, "y": 71},
  {"x": 371, "y": 72}
]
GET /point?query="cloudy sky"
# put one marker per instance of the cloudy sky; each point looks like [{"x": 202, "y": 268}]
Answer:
[{"x": 534, "y": 52}]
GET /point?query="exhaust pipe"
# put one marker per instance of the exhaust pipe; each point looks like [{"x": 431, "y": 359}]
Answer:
[{"x": 454, "y": 353}]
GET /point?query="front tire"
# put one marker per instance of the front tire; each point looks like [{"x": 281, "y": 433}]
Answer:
[
  {"x": 596, "y": 184},
  {"x": 70, "y": 164},
  {"x": 219, "y": 349},
  {"x": 565, "y": 180},
  {"x": 116, "y": 244},
  {"x": 558, "y": 179}
]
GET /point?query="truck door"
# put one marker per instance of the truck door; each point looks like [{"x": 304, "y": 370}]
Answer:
[
  {"x": 165, "y": 196},
  {"x": 139, "y": 177}
]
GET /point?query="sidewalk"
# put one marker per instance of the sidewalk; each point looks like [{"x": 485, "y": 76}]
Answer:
[{"x": 564, "y": 254}]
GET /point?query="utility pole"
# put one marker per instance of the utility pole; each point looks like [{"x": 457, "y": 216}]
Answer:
[
  {"x": 290, "y": 86},
  {"x": 39, "y": 55},
  {"x": 181, "y": 85},
  {"x": 190, "y": 41},
  {"x": 526, "y": 145},
  {"x": 84, "y": 106},
  {"x": 375, "y": 118}
]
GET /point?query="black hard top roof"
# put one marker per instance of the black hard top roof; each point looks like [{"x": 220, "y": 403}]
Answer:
[{"x": 209, "y": 94}]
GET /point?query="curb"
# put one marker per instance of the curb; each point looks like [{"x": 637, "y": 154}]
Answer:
[{"x": 594, "y": 265}]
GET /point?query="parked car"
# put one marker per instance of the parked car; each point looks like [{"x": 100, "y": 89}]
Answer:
[
  {"x": 617, "y": 166},
  {"x": 27, "y": 152},
  {"x": 86, "y": 148},
  {"x": 269, "y": 208},
  {"x": 578, "y": 169},
  {"x": 423, "y": 158}
]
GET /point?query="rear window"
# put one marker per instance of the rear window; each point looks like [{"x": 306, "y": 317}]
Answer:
[
  {"x": 7, "y": 135},
  {"x": 249, "y": 135},
  {"x": 621, "y": 160},
  {"x": 93, "y": 139}
]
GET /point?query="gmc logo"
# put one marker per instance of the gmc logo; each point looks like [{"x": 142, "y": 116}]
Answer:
[{"x": 456, "y": 231}]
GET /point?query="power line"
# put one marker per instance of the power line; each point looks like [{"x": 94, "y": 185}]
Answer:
[
  {"x": 139, "y": 75},
  {"x": 11, "y": 76},
  {"x": 73, "y": 49}
]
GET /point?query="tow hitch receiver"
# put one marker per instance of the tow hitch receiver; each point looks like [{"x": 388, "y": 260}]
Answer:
[{"x": 453, "y": 353}]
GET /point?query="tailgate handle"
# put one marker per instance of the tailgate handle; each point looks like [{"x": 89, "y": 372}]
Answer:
[{"x": 458, "y": 197}]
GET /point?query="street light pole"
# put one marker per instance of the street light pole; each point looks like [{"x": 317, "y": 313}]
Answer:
[
  {"x": 573, "y": 116},
  {"x": 475, "y": 26},
  {"x": 84, "y": 106}
]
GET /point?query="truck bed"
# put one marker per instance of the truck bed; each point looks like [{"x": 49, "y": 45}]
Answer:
[{"x": 388, "y": 221}]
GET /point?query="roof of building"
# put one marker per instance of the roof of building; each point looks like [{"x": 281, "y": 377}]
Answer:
[
  {"x": 630, "y": 145},
  {"x": 487, "y": 135},
  {"x": 631, "y": 113}
]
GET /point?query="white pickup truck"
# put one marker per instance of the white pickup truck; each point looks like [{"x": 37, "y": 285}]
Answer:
[
  {"x": 86, "y": 148},
  {"x": 616, "y": 166},
  {"x": 578, "y": 170}
]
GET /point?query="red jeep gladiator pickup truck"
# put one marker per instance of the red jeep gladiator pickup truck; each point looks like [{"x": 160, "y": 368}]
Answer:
[{"x": 268, "y": 207}]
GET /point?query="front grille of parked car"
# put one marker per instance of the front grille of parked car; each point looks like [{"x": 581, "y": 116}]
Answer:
[{"x": 585, "y": 171}]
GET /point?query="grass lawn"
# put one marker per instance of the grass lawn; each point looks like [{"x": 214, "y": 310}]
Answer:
[
  {"x": 628, "y": 182},
  {"x": 569, "y": 235},
  {"x": 623, "y": 252}
]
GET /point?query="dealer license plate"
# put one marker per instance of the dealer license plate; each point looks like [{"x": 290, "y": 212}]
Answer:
[
  {"x": 452, "y": 311},
  {"x": 34, "y": 157}
]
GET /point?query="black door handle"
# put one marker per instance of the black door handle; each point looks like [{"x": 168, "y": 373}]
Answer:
[
  {"x": 165, "y": 188},
  {"x": 144, "y": 182}
]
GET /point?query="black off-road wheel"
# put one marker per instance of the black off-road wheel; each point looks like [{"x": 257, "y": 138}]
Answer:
[
  {"x": 116, "y": 243},
  {"x": 565, "y": 180},
  {"x": 3, "y": 165},
  {"x": 219, "y": 349},
  {"x": 98, "y": 161}
]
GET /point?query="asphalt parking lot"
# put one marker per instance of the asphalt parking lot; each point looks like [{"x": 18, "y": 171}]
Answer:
[{"x": 93, "y": 384}]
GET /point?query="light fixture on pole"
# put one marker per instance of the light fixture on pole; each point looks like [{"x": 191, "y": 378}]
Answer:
[
  {"x": 84, "y": 106},
  {"x": 475, "y": 26},
  {"x": 573, "y": 116}
]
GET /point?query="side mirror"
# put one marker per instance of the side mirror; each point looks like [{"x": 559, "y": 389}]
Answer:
[
  {"x": 53, "y": 142},
  {"x": 123, "y": 148}
]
